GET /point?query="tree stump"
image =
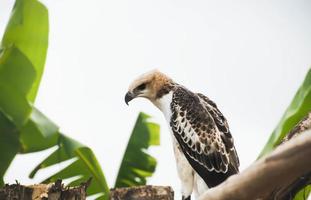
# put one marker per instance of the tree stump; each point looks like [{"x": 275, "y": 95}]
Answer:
[
  {"x": 53, "y": 191},
  {"x": 142, "y": 193}
]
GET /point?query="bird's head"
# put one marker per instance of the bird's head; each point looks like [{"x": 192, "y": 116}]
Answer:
[{"x": 151, "y": 85}]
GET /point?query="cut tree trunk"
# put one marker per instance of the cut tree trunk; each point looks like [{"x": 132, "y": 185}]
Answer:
[
  {"x": 142, "y": 193},
  {"x": 54, "y": 191}
]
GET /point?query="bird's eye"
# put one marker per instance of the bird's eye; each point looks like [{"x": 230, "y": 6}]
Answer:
[{"x": 141, "y": 86}]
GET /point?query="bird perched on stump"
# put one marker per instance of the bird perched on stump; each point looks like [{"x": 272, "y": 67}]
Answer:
[{"x": 203, "y": 145}]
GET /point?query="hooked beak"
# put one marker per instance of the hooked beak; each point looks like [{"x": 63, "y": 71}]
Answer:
[{"x": 128, "y": 97}]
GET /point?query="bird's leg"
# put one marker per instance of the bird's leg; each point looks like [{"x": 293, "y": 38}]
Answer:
[
  {"x": 185, "y": 172},
  {"x": 186, "y": 198}
]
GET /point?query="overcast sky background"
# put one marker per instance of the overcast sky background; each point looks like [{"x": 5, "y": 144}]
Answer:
[{"x": 248, "y": 56}]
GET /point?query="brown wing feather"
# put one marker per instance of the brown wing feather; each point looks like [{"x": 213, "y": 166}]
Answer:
[
  {"x": 195, "y": 127},
  {"x": 222, "y": 126}
]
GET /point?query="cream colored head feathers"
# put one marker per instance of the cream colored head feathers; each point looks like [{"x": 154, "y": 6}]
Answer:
[{"x": 150, "y": 85}]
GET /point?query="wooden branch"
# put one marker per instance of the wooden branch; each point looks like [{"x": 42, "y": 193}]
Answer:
[
  {"x": 278, "y": 169},
  {"x": 53, "y": 191},
  {"x": 142, "y": 193},
  {"x": 303, "y": 125},
  {"x": 289, "y": 192}
]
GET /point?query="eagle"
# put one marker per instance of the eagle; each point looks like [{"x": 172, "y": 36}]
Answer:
[{"x": 203, "y": 145}]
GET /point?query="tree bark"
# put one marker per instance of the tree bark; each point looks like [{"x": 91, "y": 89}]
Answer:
[
  {"x": 55, "y": 191},
  {"x": 142, "y": 193},
  {"x": 288, "y": 192}
]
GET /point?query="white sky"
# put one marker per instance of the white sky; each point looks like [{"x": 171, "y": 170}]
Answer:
[{"x": 248, "y": 56}]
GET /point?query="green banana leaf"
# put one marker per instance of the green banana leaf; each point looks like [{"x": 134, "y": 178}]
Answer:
[
  {"x": 24, "y": 129},
  {"x": 14, "y": 85},
  {"x": 84, "y": 165},
  {"x": 298, "y": 108},
  {"x": 303, "y": 194},
  {"x": 38, "y": 134},
  {"x": 28, "y": 30},
  {"x": 137, "y": 165},
  {"x": 9, "y": 144},
  {"x": 22, "y": 56}
]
